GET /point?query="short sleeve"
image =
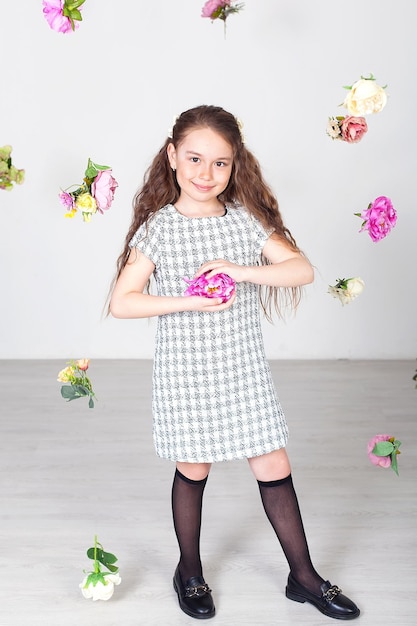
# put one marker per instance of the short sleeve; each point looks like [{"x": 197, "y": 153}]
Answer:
[
  {"x": 260, "y": 235},
  {"x": 146, "y": 240}
]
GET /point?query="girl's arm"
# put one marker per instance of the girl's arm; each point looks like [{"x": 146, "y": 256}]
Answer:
[
  {"x": 288, "y": 268},
  {"x": 128, "y": 299}
]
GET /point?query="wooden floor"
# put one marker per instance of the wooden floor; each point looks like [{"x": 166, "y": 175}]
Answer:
[{"x": 68, "y": 472}]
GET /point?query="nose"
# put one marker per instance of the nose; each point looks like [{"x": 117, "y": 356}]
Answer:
[{"x": 204, "y": 171}]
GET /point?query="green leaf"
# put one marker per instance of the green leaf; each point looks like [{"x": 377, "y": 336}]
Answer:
[
  {"x": 80, "y": 390},
  {"x": 101, "y": 167},
  {"x": 112, "y": 568},
  {"x": 91, "y": 403},
  {"x": 394, "y": 463},
  {"x": 91, "y": 172},
  {"x": 74, "y": 4},
  {"x": 68, "y": 393},
  {"x": 383, "y": 448},
  {"x": 106, "y": 558}
]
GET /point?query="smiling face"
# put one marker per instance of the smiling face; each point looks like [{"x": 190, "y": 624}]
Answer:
[{"x": 203, "y": 163}]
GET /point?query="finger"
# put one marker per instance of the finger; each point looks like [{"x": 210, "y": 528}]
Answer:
[{"x": 208, "y": 266}]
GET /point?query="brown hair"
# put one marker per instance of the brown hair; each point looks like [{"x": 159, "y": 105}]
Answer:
[{"x": 246, "y": 187}]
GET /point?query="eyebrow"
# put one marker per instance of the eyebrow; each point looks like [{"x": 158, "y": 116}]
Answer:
[{"x": 192, "y": 152}]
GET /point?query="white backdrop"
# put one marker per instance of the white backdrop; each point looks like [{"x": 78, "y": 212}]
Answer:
[{"x": 110, "y": 90}]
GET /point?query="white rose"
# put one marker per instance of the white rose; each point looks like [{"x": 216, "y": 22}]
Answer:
[
  {"x": 355, "y": 287},
  {"x": 100, "y": 591},
  {"x": 365, "y": 97},
  {"x": 347, "y": 289}
]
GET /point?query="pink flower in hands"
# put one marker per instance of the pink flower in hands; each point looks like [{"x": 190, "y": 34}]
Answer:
[
  {"x": 103, "y": 188},
  {"x": 353, "y": 128},
  {"x": 379, "y": 218},
  {"x": 218, "y": 286},
  {"x": 382, "y": 461}
]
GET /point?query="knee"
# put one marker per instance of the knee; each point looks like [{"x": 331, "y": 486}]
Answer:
[
  {"x": 194, "y": 471},
  {"x": 272, "y": 466}
]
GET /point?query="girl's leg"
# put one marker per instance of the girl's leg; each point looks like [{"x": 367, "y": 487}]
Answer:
[
  {"x": 187, "y": 496},
  {"x": 273, "y": 473}
]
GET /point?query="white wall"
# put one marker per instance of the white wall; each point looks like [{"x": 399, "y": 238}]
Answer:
[{"x": 110, "y": 91}]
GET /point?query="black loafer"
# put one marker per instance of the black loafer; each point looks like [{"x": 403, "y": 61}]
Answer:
[
  {"x": 194, "y": 597},
  {"x": 331, "y": 602}
]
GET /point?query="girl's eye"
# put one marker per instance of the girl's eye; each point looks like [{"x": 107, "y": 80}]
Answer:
[
  {"x": 220, "y": 163},
  {"x": 195, "y": 159}
]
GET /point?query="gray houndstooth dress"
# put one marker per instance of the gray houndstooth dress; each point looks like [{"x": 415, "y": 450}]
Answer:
[{"x": 213, "y": 394}]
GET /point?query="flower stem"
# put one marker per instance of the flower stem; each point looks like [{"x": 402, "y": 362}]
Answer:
[{"x": 96, "y": 563}]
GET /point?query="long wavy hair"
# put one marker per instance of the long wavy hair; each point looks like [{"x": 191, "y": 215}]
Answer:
[{"x": 246, "y": 187}]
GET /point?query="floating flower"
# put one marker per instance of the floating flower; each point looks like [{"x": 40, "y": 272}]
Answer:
[
  {"x": 99, "y": 585},
  {"x": 95, "y": 194},
  {"x": 9, "y": 174},
  {"x": 383, "y": 451},
  {"x": 220, "y": 10},
  {"x": 379, "y": 218},
  {"x": 79, "y": 383},
  {"x": 365, "y": 97},
  {"x": 217, "y": 286},
  {"x": 347, "y": 289},
  {"x": 103, "y": 188},
  {"x": 347, "y": 128},
  {"x": 63, "y": 16}
]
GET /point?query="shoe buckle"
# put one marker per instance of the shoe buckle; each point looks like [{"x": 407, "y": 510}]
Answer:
[
  {"x": 191, "y": 592},
  {"x": 331, "y": 593}
]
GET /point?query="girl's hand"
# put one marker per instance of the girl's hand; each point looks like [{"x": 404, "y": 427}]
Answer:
[
  {"x": 207, "y": 305},
  {"x": 220, "y": 266}
]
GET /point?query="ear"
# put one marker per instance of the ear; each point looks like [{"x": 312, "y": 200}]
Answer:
[{"x": 172, "y": 155}]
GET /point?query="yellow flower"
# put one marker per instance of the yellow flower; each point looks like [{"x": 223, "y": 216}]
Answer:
[
  {"x": 66, "y": 375},
  {"x": 86, "y": 203},
  {"x": 71, "y": 213}
]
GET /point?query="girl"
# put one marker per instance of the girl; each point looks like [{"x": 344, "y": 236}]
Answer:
[{"x": 204, "y": 208}]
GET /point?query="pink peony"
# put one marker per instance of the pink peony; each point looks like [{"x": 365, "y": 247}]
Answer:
[
  {"x": 383, "y": 461},
  {"x": 211, "y": 7},
  {"x": 379, "y": 218},
  {"x": 218, "y": 286},
  {"x": 353, "y": 128},
  {"x": 54, "y": 15},
  {"x": 103, "y": 188}
]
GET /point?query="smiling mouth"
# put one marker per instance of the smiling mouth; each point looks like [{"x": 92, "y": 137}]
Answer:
[{"x": 203, "y": 187}]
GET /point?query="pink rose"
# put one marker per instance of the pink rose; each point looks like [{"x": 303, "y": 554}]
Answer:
[
  {"x": 379, "y": 218},
  {"x": 212, "y": 6},
  {"x": 103, "y": 188},
  {"x": 82, "y": 364},
  {"x": 218, "y": 286},
  {"x": 383, "y": 461},
  {"x": 353, "y": 128},
  {"x": 53, "y": 11}
]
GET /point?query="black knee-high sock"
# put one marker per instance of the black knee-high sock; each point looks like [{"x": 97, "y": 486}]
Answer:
[
  {"x": 187, "y": 498},
  {"x": 281, "y": 507}
]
